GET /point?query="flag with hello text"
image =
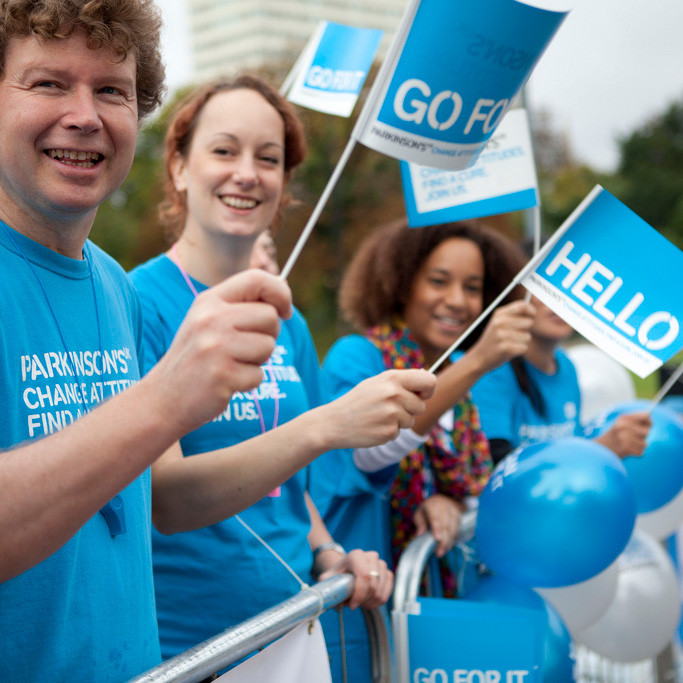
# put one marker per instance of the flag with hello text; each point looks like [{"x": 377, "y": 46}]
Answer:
[{"x": 615, "y": 280}]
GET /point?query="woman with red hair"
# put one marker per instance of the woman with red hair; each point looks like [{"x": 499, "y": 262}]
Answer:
[{"x": 230, "y": 149}]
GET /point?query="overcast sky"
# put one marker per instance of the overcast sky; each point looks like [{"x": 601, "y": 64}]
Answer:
[{"x": 612, "y": 65}]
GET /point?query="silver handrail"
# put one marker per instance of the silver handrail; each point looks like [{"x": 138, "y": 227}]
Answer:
[
  {"x": 214, "y": 654},
  {"x": 409, "y": 573},
  {"x": 415, "y": 557}
]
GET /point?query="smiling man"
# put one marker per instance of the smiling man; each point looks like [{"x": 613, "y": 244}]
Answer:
[
  {"x": 79, "y": 429},
  {"x": 68, "y": 125},
  {"x": 76, "y": 598}
]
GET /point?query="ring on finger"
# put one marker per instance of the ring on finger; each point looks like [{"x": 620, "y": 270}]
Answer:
[{"x": 374, "y": 573}]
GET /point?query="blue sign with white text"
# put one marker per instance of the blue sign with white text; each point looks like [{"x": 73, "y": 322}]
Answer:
[
  {"x": 617, "y": 281},
  {"x": 457, "y": 641},
  {"x": 502, "y": 179},
  {"x": 462, "y": 64},
  {"x": 343, "y": 58}
]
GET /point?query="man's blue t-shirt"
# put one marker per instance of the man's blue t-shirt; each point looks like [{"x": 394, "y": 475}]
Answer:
[
  {"x": 86, "y": 613},
  {"x": 507, "y": 412},
  {"x": 212, "y": 578}
]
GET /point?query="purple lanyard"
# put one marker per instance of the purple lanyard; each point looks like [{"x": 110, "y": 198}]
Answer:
[{"x": 269, "y": 365}]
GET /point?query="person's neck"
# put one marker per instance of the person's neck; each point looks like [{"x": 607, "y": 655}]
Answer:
[
  {"x": 212, "y": 260},
  {"x": 541, "y": 354},
  {"x": 64, "y": 236}
]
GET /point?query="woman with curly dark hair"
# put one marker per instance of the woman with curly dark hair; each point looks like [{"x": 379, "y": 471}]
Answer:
[{"x": 411, "y": 294}]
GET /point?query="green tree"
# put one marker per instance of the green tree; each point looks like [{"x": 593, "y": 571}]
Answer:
[
  {"x": 127, "y": 226},
  {"x": 651, "y": 172},
  {"x": 563, "y": 182}
]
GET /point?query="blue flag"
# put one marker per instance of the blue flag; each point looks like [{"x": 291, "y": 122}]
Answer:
[
  {"x": 615, "y": 280},
  {"x": 462, "y": 641},
  {"x": 333, "y": 67},
  {"x": 503, "y": 179},
  {"x": 451, "y": 75}
]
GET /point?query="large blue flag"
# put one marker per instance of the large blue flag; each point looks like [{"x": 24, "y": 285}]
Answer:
[
  {"x": 615, "y": 280},
  {"x": 452, "y": 73}
]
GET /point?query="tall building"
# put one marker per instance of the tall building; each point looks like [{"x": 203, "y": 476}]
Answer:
[{"x": 228, "y": 35}]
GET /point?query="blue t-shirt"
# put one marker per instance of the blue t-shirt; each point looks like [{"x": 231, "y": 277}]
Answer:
[
  {"x": 354, "y": 504},
  {"x": 212, "y": 578},
  {"x": 507, "y": 412},
  {"x": 86, "y": 613}
]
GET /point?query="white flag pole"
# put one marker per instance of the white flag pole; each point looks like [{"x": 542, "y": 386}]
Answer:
[
  {"x": 308, "y": 229},
  {"x": 313, "y": 41},
  {"x": 381, "y": 81},
  {"x": 531, "y": 265},
  {"x": 536, "y": 209},
  {"x": 536, "y": 217},
  {"x": 666, "y": 387}
]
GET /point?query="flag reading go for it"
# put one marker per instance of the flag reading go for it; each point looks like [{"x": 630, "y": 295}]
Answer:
[
  {"x": 452, "y": 72},
  {"x": 330, "y": 73}
]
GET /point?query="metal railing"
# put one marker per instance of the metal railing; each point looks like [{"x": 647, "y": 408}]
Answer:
[
  {"x": 205, "y": 659},
  {"x": 409, "y": 574},
  {"x": 215, "y": 654}
]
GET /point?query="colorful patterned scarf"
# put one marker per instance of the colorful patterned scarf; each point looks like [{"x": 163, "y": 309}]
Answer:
[{"x": 455, "y": 464}]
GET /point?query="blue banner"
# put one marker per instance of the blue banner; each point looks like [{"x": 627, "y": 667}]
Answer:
[
  {"x": 457, "y": 641},
  {"x": 503, "y": 179}
]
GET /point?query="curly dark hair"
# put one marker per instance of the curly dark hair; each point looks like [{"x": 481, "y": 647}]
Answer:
[
  {"x": 183, "y": 125},
  {"x": 379, "y": 279},
  {"x": 125, "y": 26}
]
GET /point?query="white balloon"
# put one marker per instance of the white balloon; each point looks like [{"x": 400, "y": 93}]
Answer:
[
  {"x": 582, "y": 604},
  {"x": 602, "y": 380},
  {"x": 644, "y": 614},
  {"x": 663, "y": 521}
]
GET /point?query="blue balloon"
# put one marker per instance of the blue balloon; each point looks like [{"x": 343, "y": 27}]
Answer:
[
  {"x": 657, "y": 475},
  {"x": 555, "y": 513},
  {"x": 559, "y": 653}
]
